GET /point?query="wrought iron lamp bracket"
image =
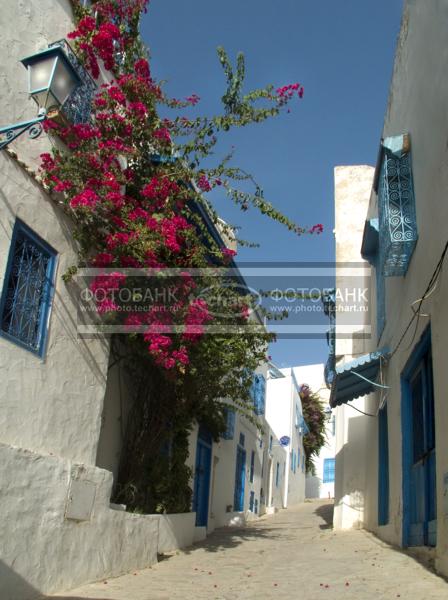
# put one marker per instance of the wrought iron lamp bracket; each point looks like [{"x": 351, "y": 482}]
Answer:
[{"x": 12, "y": 132}]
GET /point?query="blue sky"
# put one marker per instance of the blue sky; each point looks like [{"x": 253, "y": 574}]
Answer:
[{"x": 341, "y": 51}]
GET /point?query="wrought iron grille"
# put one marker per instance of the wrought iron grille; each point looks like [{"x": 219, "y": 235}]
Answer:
[
  {"x": 78, "y": 106},
  {"x": 27, "y": 291},
  {"x": 396, "y": 205}
]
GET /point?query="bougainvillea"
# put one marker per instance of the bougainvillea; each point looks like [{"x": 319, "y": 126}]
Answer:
[
  {"x": 314, "y": 415},
  {"x": 135, "y": 185}
]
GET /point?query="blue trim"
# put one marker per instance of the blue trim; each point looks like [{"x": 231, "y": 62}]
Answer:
[
  {"x": 47, "y": 293},
  {"x": 240, "y": 479},
  {"x": 416, "y": 356},
  {"x": 202, "y": 477},
  {"x": 252, "y": 467},
  {"x": 383, "y": 467}
]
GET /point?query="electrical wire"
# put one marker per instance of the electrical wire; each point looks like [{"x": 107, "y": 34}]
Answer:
[
  {"x": 416, "y": 314},
  {"x": 361, "y": 411}
]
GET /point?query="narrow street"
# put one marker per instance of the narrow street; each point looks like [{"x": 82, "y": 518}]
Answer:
[{"x": 293, "y": 554}]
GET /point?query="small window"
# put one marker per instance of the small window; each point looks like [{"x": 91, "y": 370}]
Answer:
[
  {"x": 242, "y": 439},
  {"x": 229, "y": 416},
  {"x": 258, "y": 393},
  {"x": 270, "y": 442},
  {"x": 28, "y": 290},
  {"x": 328, "y": 470},
  {"x": 252, "y": 467},
  {"x": 277, "y": 475}
]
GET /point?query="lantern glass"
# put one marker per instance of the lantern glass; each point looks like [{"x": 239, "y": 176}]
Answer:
[{"x": 51, "y": 77}]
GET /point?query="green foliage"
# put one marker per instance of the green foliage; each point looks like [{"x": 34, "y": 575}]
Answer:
[{"x": 314, "y": 415}]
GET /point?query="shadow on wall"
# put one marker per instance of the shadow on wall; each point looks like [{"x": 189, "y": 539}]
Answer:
[
  {"x": 14, "y": 587},
  {"x": 325, "y": 512},
  {"x": 349, "y": 486}
]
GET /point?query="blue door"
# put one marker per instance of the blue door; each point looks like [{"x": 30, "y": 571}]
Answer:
[
  {"x": 383, "y": 467},
  {"x": 240, "y": 477},
  {"x": 202, "y": 477},
  {"x": 419, "y": 464}
]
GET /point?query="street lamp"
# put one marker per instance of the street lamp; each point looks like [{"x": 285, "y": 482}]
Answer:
[{"x": 51, "y": 80}]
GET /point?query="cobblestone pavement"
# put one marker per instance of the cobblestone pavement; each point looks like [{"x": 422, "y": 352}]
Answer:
[{"x": 292, "y": 555}]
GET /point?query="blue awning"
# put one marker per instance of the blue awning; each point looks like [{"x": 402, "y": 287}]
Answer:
[{"x": 356, "y": 378}]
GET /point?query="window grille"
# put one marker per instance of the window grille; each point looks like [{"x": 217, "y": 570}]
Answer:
[
  {"x": 28, "y": 290},
  {"x": 396, "y": 207}
]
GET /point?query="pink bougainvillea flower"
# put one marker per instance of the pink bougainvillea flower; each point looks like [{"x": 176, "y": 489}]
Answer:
[
  {"x": 86, "y": 199},
  {"x": 204, "y": 184}
]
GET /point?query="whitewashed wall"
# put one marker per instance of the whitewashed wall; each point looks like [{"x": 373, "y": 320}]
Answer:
[
  {"x": 352, "y": 192},
  {"x": 282, "y": 402}
]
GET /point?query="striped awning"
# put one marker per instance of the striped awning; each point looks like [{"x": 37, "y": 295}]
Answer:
[{"x": 356, "y": 378}]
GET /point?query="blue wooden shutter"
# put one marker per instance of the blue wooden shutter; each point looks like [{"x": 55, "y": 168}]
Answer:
[
  {"x": 230, "y": 420},
  {"x": 252, "y": 466},
  {"x": 258, "y": 393}
]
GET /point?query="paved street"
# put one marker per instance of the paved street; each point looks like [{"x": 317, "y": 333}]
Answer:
[{"x": 294, "y": 554}]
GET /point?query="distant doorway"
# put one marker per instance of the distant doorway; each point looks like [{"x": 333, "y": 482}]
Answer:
[
  {"x": 240, "y": 479},
  {"x": 201, "y": 494},
  {"x": 419, "y": 448}
]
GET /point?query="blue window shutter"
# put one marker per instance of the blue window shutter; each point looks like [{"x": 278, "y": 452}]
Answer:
[
  {"x": 396, "y": 207},
  {"x": 28, "y": 290},
  {"x": 230, "y": 421},
  {"x": 258, "y": 393},
  {"x": 252, "y": 466},
  {"x": 328, "y": 470}
]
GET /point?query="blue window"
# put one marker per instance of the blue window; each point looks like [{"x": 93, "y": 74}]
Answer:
[
  {"x": 277, "y": 475},
  {"x": 258, "y": 393},
  {"x": 242, "y": 439},
  {"x": 270, "y": 442},
  {"x": 303, "y": 462},
  {"x": 396, "y": 206},
  {"x": 252, "y": 467},
  {"x": 229, "y": 415},
  {"x": 256, "y": 507},
  {"x": 28, "y": 290},
  {"x": 328, "y": 470}
]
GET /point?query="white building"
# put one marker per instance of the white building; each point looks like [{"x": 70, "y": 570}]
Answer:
[
  {"x": 62, "y": 400},
  {"x": 392, "y": 465},
  {"x": 321, "y": 484},
  {"x": 286, "y": 464}
]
